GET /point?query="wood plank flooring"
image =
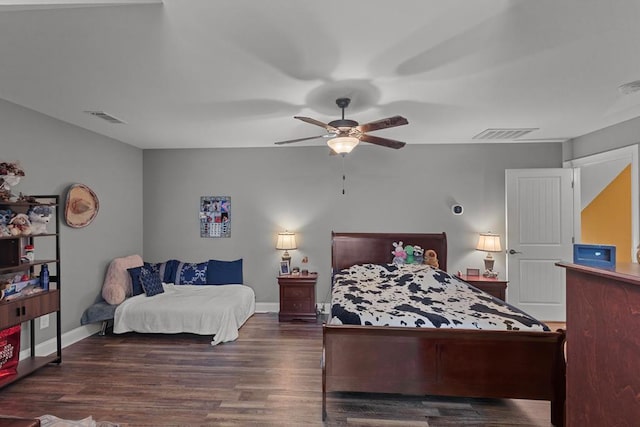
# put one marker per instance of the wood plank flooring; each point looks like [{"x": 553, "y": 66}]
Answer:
[{"x": 270, "y": 376}]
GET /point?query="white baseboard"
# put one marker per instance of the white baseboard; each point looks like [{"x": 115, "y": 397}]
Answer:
[
  {"x": 274, "y": 307},
  {"x": 48, "y": 347},
  {"x": 78, "y": 334},
  {"x": 267, "y": 307}
]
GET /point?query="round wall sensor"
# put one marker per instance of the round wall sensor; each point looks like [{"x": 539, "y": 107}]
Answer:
[{"x": 457, "y": 209}]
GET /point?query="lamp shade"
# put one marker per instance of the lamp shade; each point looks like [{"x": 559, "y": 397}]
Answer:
[
  {"x": 489, "y": 242},
  {"x": 286, "y": 241},
  {"x": 343, "y": 144}
]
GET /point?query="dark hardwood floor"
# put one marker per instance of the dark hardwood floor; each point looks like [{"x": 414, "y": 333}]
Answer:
[{"x": 270, "y": 376}]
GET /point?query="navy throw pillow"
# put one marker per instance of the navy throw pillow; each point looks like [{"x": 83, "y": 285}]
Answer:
[
  {"x": 136, "y": 285},
  {"x": 151, "y": 282},
  {"x": 224, "y": 272},
  {"x": 170, "y": 270}
]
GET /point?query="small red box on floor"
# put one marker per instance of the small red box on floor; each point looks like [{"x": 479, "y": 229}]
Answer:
[{"x": 9, "y": 351}]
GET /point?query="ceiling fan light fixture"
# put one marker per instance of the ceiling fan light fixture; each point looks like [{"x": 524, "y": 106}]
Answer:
[{"x": 343, "y": 144}]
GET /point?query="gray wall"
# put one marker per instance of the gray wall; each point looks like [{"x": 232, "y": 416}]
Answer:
[
  {"x": 607, "y": 139},
  {"x": 300, "y": 189},
  {"x": 55, "y": 155}
]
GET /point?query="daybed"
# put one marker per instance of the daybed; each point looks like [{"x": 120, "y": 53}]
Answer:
[
  {"x": 434, "y": 359},
  {"x": 207, "y": 298}
]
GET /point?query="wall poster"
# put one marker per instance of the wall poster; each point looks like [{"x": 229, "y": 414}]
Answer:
[{"x": 215, "y": 216}]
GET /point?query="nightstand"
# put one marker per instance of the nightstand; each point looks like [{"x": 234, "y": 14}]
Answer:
[
  {"x": 491, "y": 285},
  {"x": 297, "y": 297}
]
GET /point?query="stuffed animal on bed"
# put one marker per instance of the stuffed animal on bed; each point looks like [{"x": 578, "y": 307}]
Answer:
[
  {"x": 418, "y": 254},
  {"x": 399, "y": 254},
  {"x": 409, "y": 250},
  {"x": 5, "y": 217},
  {"x": 431, "y": 258}
]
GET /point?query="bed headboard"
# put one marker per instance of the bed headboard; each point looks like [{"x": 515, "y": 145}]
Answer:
[{"x": 348, "y": 249}]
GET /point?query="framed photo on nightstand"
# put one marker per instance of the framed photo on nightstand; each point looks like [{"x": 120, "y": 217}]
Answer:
[
  {"x": 473, "y": 272},
  {"x": 284, "y": 268}
]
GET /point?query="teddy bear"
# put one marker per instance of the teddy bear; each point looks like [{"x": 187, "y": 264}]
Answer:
[
  {"x": 39, "y": 217},
  {"x": 399, "y": 254},
  {"x": 5, "y": 217},
  {"x": 20, "y": 225},
  {"x": 418, "y": 254},
  {"x": 431, "y": 258}
]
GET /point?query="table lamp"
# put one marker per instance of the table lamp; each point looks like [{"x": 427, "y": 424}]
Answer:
[
  {"x": 489, "y": 242},
  {"x": 286, "y": 241}
]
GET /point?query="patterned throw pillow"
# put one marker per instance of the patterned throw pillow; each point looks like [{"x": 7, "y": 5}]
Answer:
[
  {"x": 151, "y": 282},
  {"x": 191, "y": 273}
]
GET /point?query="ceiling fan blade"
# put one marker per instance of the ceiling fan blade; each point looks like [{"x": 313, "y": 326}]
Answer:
[
  {"x": 299, "y": 139},
  {"x": 318, "y": 123},
  {"x": 385, "y": 142},
  {"x": 389, "y": 122}
]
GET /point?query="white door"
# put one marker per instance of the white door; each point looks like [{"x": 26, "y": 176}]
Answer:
[{"x": 539, "y": 228}]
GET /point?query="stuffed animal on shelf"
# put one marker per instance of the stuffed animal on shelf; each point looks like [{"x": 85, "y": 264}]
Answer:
[
  {"x": 5, "y": 217},
  {"x": 20, "y": 225},
  {"x": 39, "y": 217},
  {"x": 431, "y": 258},
  {"x": 399, "y": 254},
  {"x": 418, "y": 254}
]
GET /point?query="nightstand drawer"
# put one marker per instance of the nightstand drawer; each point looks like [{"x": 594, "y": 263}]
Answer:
[
  {"x": 297, "y": 306},
  {"x": 297, "y": 291}
]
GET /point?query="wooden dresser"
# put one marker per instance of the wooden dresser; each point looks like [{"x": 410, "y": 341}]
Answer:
[{"x": 603, "y": 345}]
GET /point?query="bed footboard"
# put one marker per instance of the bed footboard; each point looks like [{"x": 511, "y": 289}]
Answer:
[{"x": 446, "y": 362}]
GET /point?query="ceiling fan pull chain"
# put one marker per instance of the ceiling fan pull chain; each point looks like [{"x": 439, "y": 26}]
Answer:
[{"x": 343, "y": 174}]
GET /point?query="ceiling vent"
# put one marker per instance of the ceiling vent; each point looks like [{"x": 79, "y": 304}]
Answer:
[
  {"x": 105, "y": 116},
  {"x": 504, "y": 133}
]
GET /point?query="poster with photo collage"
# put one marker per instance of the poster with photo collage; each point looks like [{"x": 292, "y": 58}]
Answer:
[{"x": 215, "y": 216}]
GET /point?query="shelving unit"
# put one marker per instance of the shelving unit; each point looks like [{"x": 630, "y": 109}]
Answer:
[{"x": 28, "y": 308}]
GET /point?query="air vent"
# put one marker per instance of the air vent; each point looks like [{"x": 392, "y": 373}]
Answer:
[
  {"x": 629, "y": 88},
  {"x": 105, "y": 116},
  {"x": 503, "y": 133}
]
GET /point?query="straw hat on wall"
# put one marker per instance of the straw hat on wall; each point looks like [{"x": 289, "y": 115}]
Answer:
[{"x": 81, "y": 207}]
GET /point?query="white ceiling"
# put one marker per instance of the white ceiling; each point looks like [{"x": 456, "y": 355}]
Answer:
[{"x": 233, "y": 73}]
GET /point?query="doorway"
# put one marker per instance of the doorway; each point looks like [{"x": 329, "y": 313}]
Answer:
[
  {"x": 540, "y": 205},
  {"x": 608, "y": 212}
]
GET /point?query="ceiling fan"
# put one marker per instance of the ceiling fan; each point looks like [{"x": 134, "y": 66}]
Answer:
[{"x": 345, "y": 134}]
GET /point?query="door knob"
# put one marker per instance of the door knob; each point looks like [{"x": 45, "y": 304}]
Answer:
[{"x": 513, "y": 252}]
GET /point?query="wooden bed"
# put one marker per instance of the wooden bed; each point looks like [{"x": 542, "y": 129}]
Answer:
[{"x": 445, "y": 362}]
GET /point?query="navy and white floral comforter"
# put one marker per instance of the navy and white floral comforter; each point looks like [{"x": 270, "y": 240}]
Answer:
[{"x": 417, "y": 295}]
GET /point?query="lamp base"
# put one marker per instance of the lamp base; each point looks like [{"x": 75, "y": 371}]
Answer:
[
  {"x": 488, "y": 267},
  {"x": 286, "y": 257}
]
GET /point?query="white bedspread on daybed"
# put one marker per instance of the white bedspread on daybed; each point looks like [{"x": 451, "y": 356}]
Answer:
[{"x": 204, "y": 310}]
